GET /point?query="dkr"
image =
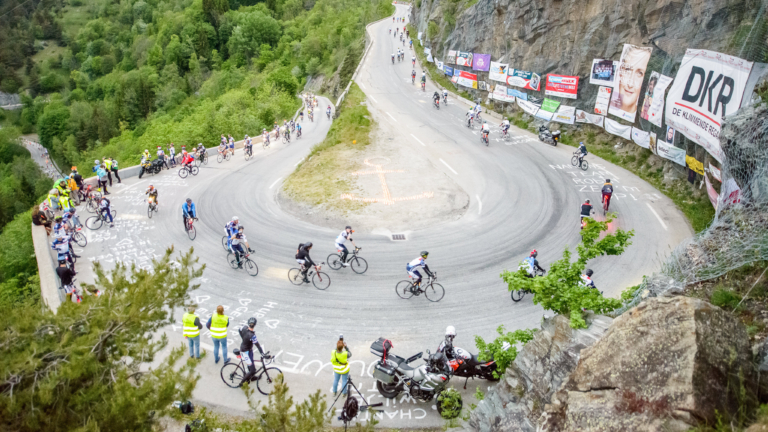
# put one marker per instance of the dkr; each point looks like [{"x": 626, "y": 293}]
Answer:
[{"x": 706, "y": 86}]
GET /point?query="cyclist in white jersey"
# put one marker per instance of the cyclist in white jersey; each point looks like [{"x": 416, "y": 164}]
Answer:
[{"x": 343, "y": 237}]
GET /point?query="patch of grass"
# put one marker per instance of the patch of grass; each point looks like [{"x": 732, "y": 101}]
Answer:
[
  {"x": 74, "y": 18},
  {"x": 725, "y": 298},
  {"x": 324, "y": 175}
]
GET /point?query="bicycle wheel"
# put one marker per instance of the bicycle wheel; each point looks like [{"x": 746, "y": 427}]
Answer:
[
  {"x": 91, "y": 206},
  {"x": 183, "y": 173},
  {"x": 584, "y": 165},
  {"x": 575, "y": 161},
  {"x": 224, "y": 243},
  {"x": 195, "y": 170},
  {"x": 94, "y": 222},
  {"x": 251, "y": 268},
  {"x": 205, "y": 159},
  {"x": 232, "y": 374},
  {"x": 517, "y": 295},
  {"x": 434, "y": 292},
  {"x": 266, "y": 380},
  {"x": 198, "y": 162},
  {"x": 334, "y": 261},
  {"x": 403, "y": 289},
  {"x": 80, "y": 239},
  {"x": 246, "y": 155},
  {"x": 359, "y": 265},
  {"x": 219, "y": 158},
  {"x": 321, "y": 280},
  {"x": 232, "y": 260},
  {"x": 149, "y": 211},
  {"x": 228, "y": 156},
  {"x": 192, "y": 233},
  {"x": 294, "y": 275}
]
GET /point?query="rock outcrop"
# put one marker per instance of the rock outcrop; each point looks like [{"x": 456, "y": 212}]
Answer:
[{"x": 668, "y": 364}]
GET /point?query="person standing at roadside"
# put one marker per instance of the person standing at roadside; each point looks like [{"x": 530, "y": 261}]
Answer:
[
  {"x": 340, "y": 361},
  {"x": 192, "y": 326},
  {"x": 217, "y": 324},
  {"x": 108, "y": 168},
  {"x": 114, "y": 168}
]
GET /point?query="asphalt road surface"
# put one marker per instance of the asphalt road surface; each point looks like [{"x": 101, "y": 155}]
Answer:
[{"x": 524, "y": 195}]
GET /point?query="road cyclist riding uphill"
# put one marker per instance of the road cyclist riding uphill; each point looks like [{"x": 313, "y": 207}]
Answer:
[
  {"x": 336, "y": 261},
  {"x": 436, "y": 100},
  {"x": 304, "y": 273},
  {"x": 470, "y": 118},
  {"x": 393, "y": 58},
  {"x": 505, "y": 128},
  {"x": 532, "y": 268},
  {"x": 413, "y": 76},
  {"x": 408, "y": 288},
  {"x": 423, "y": 80},
  {"x": 188, "y": 214},
  {"x": 485, "y": 129},
  {"x": 607, "y": 191}
]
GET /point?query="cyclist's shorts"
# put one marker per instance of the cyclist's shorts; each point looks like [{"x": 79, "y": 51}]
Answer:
[
  {"x": 415, "y": 274},
  {"x": 340, "y": 247}
]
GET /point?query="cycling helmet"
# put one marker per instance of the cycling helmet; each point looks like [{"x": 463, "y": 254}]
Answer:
[
  {"x": 146, "y": 150},
  {"x": 235, "y": 218},
  {"x": 450, "y": 332},
  {"x": 307, "y": 245},
  {"x": 74, "y": 168},
  {"x": 252, "y": 322},
  {"x": 589, "y": 272},
  {"x": 151, "y": 187},
  {"x": 607, "y": 180},
  {"x": 96, "y": 161},
  {"x": 534, "y": 253},
  {"x": 158, "y": 147},
  {"x": 348, "y": 227},
  {"x": 71, "y": 210},
  {"x": 62, "y": 262},
  {"x": 581, "y": 143},
  {"x": 587, "y": 201},
  {"x": 424, "y": 254},
  {"x": 189, "y": 200}
]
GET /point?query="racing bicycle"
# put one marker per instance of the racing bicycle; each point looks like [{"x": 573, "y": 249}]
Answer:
[
  {"x": 95, "y": 222},
  {"x": 224, "y": 156},
  {"x": 248, "y": 152},
  {"x": 484, "y": 138},
  {"x": 518, "y": 295},
  {"x": 186, "y": 170},
  {"x": 191, "y": 232},
  {"x": 319, "y": 279},
  {"x": 358, "y": 264},
  {"x": 233, "y": 373},
  {"x": 245, "y": 262},
  {"x": 433, "y": 291},
  {"x": 584, "y": 165},
  {"x": 151, "y": 208}
]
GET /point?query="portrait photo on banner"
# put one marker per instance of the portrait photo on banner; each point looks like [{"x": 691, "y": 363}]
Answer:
[
  {"x": 603, "y": 72},
  {"x": 629, "y": 81}
]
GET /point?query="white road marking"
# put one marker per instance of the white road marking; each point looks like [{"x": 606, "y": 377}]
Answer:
[
  {"x": 374, "y": 99},
  {"x": 361, "y": 85},
  {"x": 131, "y": 186},
  {"x": 449, "y": 167},
  {"x": 479, "y": 204},
  {"x": 273, "y": 184},
  {"x": 302, "y": 159},
  {"x": 657, "y": 216},
  {"x": 390, "y": 115},
  {"x": 414, "y": 137}
]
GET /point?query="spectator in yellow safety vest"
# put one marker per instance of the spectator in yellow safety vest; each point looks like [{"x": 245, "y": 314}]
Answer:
[
  {"x": 217, "y": 324},
  {"x": 191, "y": 326},
  {"x": 340, "y": 361}
]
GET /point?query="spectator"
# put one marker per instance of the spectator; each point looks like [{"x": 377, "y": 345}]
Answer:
[
  {"x": 65, "y": 276},
  {"x": 191, "y": 326},
  {"x": 339, "y": 360},
  {"x": 113, "y": 168},
  {"x": 101, "y": 172},
  {"x": 108, "y": 168},
  {"x": 39, "y": 219},
  {"x": 217, "y": 324}
]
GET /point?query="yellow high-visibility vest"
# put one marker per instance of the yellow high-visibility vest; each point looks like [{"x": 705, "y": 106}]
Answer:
[
  {"x": 339, "y": 362},
  {"x": 190, "y": 329},
  {"x": 219, "y": 326}
]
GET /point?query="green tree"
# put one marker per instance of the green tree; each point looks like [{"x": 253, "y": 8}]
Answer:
[
  {"x": 503, "y": 349},
  {"x": 195, "y": 74},
  {"x": 561, "y": 290},
  {"x": 87, "y": 368},
  {"x": 52, "y": 122},
  {"x": 173, "y": 51}
]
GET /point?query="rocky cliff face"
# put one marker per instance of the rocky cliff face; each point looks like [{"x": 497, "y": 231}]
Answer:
[
  {"x": 669, "y": 364},
  {"x": 563, "y": 36}
]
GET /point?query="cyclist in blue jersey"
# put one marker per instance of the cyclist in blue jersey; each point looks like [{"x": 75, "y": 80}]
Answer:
[
  {"x": 413, "y": 268},
  {"x": 231, "y": 228},
  {"x": 188, "y": 211}
]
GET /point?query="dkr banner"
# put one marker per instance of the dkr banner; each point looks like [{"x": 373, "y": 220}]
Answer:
[
  {"x": 527, "y": 107},
  {"x": 524, "y": 79},
  {"x": 629, "y": 80},
  {"x": 603, "y": 72},
  {"x": 616, "y": 128},
  {"x": 482, "y": 62},
  {"x": 448, "y": 70},
  {"x": 500, "y": 94},
  {"x": 584, "y": 117},
  {"x": 562, "y": 86},
  {"x": 603, "y": 99},
  {"x": 708, "y": 86},
  {"x": 498, "y": 72},
  {"x": 464, "y": 59},
  {"x": 565, "y": 114},
  {"x": 451, "y": 57},
  {"x": 517, "y": 93},
  {"x": 653, "y": 105},
  {"x": 467, "y": 79}
]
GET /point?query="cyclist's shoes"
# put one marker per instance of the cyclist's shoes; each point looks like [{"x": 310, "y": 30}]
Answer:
[
  {"x": 251, "y": 250},
  {"x": 305, "y": 280},
  {"x": 76, "y": 256},
  {"x": 112, "y": 225},
  {"x": 345, "y": 264}
]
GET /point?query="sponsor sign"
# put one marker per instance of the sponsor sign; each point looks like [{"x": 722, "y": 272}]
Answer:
[
  {"x": 467, "y": 79},
  {"x": 641, "y": 137},
  {"x": 439, "y": 64},
  {"x": 708, "y": 86},
  {"x": 500, "y": 94},
  {"x": 715, "y": 173},
  {"x": 429, "y": 58},
  {"x": 482, "y": 62},
  {"x": 464, "y": 59},
  {"x": 584, "y": 117},
  {"x": 711, "y": 192},
  {"x": 527, "y": 107},
  {"x": 562, "y": 86},
  {"x": 616, "y": 128},
  {"x": 603, "y": 72},
  {"x": 524, "y": 79},
  {"x": 517, "y": 93},
  {"x": 694, "y": 165},
  {"x": 498, "y": 71},
  {"x": 544, "y": 115},
  {"x": 669, "y": 151},
  {"x": 653, "y": 105},
  {"x": 448, "y": 70},
  {"x": 603, "y": 99},
  {"x": 629, "y": 81},
  {"x": 550, "y": 105},
  {"x": 652, "y": 143},
  {"x": 427, "y": 51},
  {"x": 456, "y": 72},
  {"x": 565, "y": 114},
  {"x": 451, "y": 57},
  {"x": 730, "y": 192}
]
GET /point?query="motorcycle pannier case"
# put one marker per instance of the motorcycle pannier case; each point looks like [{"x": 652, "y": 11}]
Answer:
[
  {"x": 384, "y": 373},
  {"x": 380, "y": 346}
]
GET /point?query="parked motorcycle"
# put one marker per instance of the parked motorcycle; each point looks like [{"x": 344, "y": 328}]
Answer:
[
  {"x": 547, "y": 136},
  {"x": 394, "y": 375},
  {"x": 467, "y": 365},
  {"x": 151, "y": 166}
]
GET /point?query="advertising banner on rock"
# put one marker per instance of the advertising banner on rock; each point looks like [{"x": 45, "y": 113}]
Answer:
[
  {"x": 629, "y": 81},
  {"x": 451, "y": 57},
  {"x": 562, "y": 86},
  {"x": 708, "y": 86},
  {"x": 669, "y": 151},
  {"x": 482, "y": 62},
  {"x": 584, "y": 117},
  {"x": 427, "y": 51},
  {"x": 550, "y": 105},
  {"x": 517, "y": 93},
  {"x": 498, "y": 71},
  {"x": 652, "y": 143},
  {"x": 603, "y": 72},
  {"x": 467, "y": 79},
  {"x": 429, "y": 58},
  {"x": 694, "y": 165},
  {"x": 653, "y": 105},
  {"x": 524, "y": 79},
  {"x": 616, "y": 128},
  {"x": 641, "y": 137},
  {"x": 464, "y": 59},
  {"x": 730, "y": 192},
  {"x": 500, "y": 94},
  {"x": 439, "y": 64},
  {"x": 711, "y": 192},
  {"x": 565, "y": 114},
  {"x": 544, "y": 115},
  {"x": 715, "y": 173},
  {"x": 448, "y": 70},
  {"x": 527, "y": 107},
  {"x": 603, "y": 99}
]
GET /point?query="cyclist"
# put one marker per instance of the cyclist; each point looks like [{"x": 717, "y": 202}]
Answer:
[
  {"x": 188, "y": 211},
  {"x": 70, "y": 215},
  {"x": 410, "y": 45},
  {"x": 231, "y": 145},
  {"x": 231, "y": 229},
  {"x": 413, "y": 61},
  {"x": 201, "y": 153},
  {"x": 187, "y": 159},
  {"x": 105, "y": 210},
  {"x": 238, "y": 239},
  {"x": 504, "y": 126},
  {"x": 277, "y": 131},
  {"x": 485, "y": 130},
  {"x": 393, "y": 58},
  {"x": 302, "y": 257},
  {"x": 152, "y": 192},
  {"x": 63, "y": 252},
  {"x": 413, "y": 268},
  {"x": 344, "y": 236},
  {"x": 301, "y": 114},
  {"x": 265, "y": 137},
  {"x": 328, "y": 111},
  {"x": 298, "y": 130},
  {"x": 172, "y": 154},
  {"x": 445, "y": 96},
  {"x": 586, "y": 209},
  {"x": 446, "y": 346},
  {"x": 246, "y": 348},
  {"x": 222, "y": 149},
  {"x": 470, "y": 116},
  {"x": 58, "y": 225},
  {"x": 413, "y": 76},
  {"x": 531, "y": 264},
  {"x": 587, "y": 279},
  {"x": 436, "y": 98},
  {"x": 287, "y": 133},
  {"x": 607, "y": 192},
  {"x": 582, "y": 152},
  {"x": 478, "y": 110},
  {"x": 248, "y": 146}
]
